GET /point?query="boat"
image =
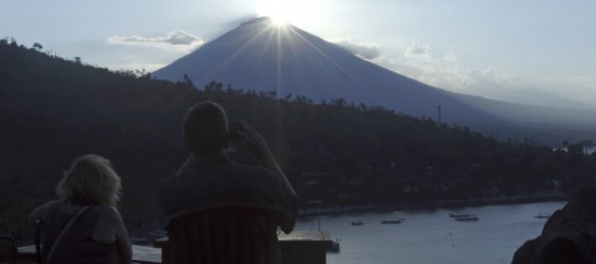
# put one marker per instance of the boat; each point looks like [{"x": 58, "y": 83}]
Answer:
[
  {"x": 466, "y": 218},
  {"x": 456, "y": 215},
  {"x": 334, "y": 247},
  {"x": 542, "y": 216},
  {"x": 392, "y": 221},
  {"x": 357, "y": 223}
]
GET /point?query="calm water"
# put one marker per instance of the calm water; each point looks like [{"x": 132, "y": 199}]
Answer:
[{"x": 431, "y": 236}]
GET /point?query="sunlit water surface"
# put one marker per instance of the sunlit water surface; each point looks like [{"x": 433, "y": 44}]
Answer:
[{"x": 431, "y": 236}]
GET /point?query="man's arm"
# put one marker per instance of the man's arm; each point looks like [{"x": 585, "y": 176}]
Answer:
[{"x": 258, "y": 147}]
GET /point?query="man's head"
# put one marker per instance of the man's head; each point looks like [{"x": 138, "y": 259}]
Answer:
[{"x": 205, "y": 128}]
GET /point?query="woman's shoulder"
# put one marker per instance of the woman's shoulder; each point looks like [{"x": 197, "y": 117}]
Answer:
[
  {"x": 109, "y": 214},
  {"x": 108, "y": 223}
]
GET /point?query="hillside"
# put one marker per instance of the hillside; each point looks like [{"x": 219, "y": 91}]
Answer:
[{"x": 338, "y": 152}]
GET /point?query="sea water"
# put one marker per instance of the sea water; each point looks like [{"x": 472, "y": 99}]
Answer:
[{"x": 431, "y": 236}]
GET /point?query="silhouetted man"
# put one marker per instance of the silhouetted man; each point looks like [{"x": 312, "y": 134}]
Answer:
[{"x": 219, "y": 211}]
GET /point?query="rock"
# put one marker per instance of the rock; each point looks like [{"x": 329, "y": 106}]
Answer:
[{"x": 569, "y": 235}]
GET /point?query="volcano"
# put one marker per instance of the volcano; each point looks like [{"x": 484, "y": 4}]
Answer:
[{"x": 261, "y": 55}]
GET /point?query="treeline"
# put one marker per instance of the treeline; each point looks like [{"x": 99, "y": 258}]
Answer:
[{"x": 335, "y": 152}]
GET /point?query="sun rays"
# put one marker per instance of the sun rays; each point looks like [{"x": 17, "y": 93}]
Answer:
[{"x": 287, "y": 52}]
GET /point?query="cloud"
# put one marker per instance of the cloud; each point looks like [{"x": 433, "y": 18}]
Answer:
[
  {"x": 445, "y": 71},
  {"x": 418, "y": 50},
  {"x": 418, "y": 62},
  {"x": 368, "y": 51},
  {"x": 498, "y": 76},
  {"x": 178, "y": 38}
]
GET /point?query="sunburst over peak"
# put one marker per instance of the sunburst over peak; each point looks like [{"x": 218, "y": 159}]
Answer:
[
  {"x": 278, "y": 21},
  {"x": 283, "y": 12}
]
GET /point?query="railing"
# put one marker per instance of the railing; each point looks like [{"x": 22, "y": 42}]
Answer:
[
  {"x": 140, "y": 254},
  {"x": 298, "y": 247}
]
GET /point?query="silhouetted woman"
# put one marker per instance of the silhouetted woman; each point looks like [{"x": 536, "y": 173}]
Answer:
[{"x": 83, "y": 225}]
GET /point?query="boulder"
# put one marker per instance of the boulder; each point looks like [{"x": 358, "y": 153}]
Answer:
[{"x": 569, "y": 235}]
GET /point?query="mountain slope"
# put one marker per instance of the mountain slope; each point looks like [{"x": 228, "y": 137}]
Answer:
[{"x": 258, "y": 55}]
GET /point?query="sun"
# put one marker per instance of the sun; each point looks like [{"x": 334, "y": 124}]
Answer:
[
  {"x": 278, "y": 11},
  {"x": 281, "y": 12},
  {"x": 278, "y": 21}
]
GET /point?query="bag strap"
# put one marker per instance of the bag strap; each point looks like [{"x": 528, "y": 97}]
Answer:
[{"x": 71, "y": 221}]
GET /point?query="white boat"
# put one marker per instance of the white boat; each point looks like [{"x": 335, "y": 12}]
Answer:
[{"x": 542, "y": 216}]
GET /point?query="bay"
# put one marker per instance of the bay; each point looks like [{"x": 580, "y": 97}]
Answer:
[{"x": 431, "y": 235}]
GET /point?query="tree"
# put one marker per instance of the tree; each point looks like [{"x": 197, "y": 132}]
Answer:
[
  {"x": 187, "y": 80},
  {"x": 37, "y": 46},
  {"x": 576, "y": 155}
]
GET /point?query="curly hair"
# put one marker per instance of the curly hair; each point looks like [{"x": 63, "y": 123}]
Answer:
[{"x": 90, "y": 180}]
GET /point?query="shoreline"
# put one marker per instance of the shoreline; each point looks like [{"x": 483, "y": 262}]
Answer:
[{"x": 428, "y": 205}]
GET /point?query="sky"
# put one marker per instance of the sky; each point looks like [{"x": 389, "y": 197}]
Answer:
[{"x": 540, "y": 52}]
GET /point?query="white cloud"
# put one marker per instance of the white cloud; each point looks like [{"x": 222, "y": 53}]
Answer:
[
  {"x": 178, "y": 38},
  {"x": 418, "y": 51},
  {"x": 446, "y": 72},
  {"x": 418, "y": 62},
  {"x": 365, "y": 50},
  {"x": 502, "y": 78}
]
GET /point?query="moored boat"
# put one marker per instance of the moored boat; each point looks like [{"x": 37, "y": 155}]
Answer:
[
  {"x": 466, "y": 218},
  {"x": 542, "y": 216},
  {"x": 357, "y": 223},
  {"x": 456, "y": 215},
  {"x": 392, "y": 221}
]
